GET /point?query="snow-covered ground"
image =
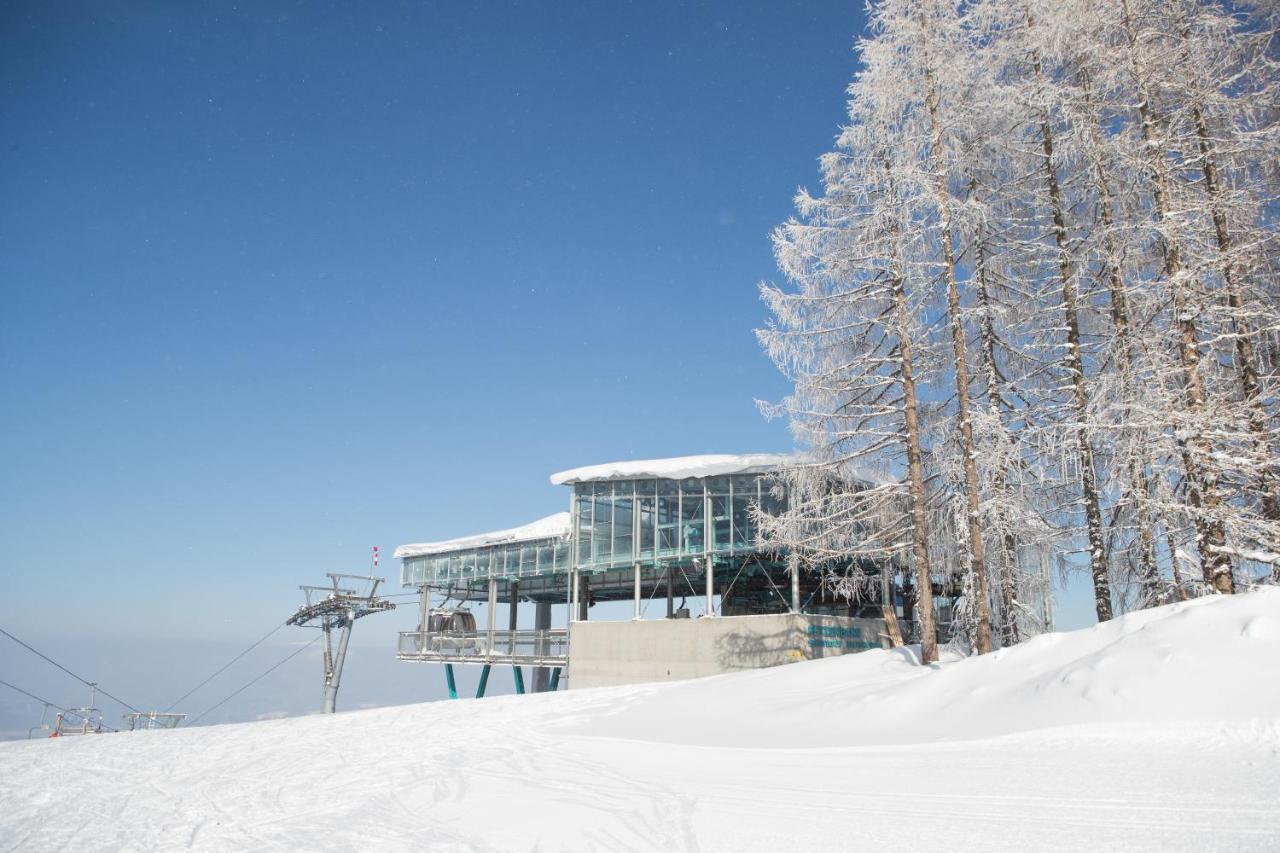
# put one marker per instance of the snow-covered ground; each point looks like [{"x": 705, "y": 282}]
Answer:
[{"x": 1158, "y": 731}]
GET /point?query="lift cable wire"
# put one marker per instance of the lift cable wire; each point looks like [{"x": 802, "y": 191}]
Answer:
[
  {"x": 87, "y": 683},
  {"x": 291, "y": 656},
  {"x": 224, "y": 667},
  {"x": 52, "y": 705}
]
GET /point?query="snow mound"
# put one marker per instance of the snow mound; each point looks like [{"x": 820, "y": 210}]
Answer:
[
  {"x": 1158, "y": 731},
  {"x": 1209, "y": 659}
]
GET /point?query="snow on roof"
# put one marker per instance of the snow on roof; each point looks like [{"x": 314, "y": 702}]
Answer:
[
  {"x": 678, "y": 467},
  {"x": 544, "y": 528}
]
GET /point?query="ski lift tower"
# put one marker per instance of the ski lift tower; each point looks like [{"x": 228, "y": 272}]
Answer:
[{"x": 331, "y": 608}]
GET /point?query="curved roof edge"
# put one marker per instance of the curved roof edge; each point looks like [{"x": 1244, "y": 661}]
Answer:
[
  {"x": 551, "y": 527},
  {"x": 677, "y": 468}
]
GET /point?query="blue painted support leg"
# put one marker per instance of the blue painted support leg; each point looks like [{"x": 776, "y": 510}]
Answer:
[
  {"x": 555, "y": 679},
  {"x": 453, "y": 685},
  {"x": 519, "y": 679},
  {"x": 484, "y": 680}
]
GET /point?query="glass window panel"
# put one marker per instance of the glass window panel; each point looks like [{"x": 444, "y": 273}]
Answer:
[
  {"x": 772, "y": 500},
  {"x": 721, "y": 523},
  {"x": 744, "y": 534},
  {"x": 668, "y": 524},
  {"x": 692, "y": 534},
  {"x": 623, "y": 526},
  {"x": 645, "y": 510},
  {"x": 601, "y": 547},
  {"x": 585, "y": 505}
]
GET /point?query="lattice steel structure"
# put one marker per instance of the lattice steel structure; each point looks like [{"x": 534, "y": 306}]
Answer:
[
  {"x": 138, "y": 720},
  {"x": 333, "y": 608}
]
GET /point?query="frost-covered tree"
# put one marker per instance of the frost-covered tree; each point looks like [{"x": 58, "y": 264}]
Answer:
[{"x": 1077, "y": 201}]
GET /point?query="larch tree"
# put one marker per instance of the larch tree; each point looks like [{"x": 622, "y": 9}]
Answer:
[{"x": 1037, "y": 305}]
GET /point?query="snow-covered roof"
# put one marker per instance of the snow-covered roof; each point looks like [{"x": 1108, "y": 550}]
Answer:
[
  {"x": 550, "y": 527},
  {"x": 678, "y": 467}
]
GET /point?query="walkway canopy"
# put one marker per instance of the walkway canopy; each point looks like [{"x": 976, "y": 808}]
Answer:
[{"x": 537, "y": 549}]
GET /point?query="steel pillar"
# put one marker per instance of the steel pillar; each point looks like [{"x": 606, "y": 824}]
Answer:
[
  {"x": 541, "y": 622},
  {"x": 334, "y": 676},
  {"x": 575, "y": 595},
  {"x": 711, "y": 588},
  {"x": 519, "y": 676},
  {"x": 795, "y": 588},
  {"x": 555, "y": 679},
  {"x": 637, "y": 591},
  {"x": 484, "y": 681},
  {"x": 448, "y": 677},
  {"x": 493, "y": 615}
]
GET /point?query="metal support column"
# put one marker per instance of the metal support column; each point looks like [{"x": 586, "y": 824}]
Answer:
[
  {"x": 575, "y": 596},
  {"x": 493, "y": 615},
  {"x": 335, "y": 675},
  {"x": 484, "y": 681},
  {"x": 584, "y": 596},
  {"x": 711, "y": 588},
  {"x": 514, "y": 587},
  {"x": 555, "y": 679},
  {"x": 795, "y": 588},
  {"x": 637, "y": 591},
  {"x": 425, "y": 612},
  {"x": 671, "y": 598},
  {"x": 541, "y": 623},
  {"x": 519, "y": 675},
  {"x": 448, "y": 677}
]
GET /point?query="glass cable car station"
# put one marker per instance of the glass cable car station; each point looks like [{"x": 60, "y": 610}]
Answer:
[{"x": 674, "y": 537}]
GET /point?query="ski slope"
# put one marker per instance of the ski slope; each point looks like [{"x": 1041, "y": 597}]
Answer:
[{"x": 1157, "y": 731}]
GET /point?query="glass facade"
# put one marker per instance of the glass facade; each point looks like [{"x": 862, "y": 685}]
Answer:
[
  {"x": 658, "y": 521},
  {"x": 506, "y": 561}
]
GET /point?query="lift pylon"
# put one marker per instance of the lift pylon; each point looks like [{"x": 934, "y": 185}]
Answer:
[{"x": 331, "y": 608}]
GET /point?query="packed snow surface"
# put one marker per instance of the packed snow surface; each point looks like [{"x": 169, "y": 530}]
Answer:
[
  {"x": 1158, "y": 731},
  {"x": 552, "y": 526},
  {"x": 714, "y": 465}
]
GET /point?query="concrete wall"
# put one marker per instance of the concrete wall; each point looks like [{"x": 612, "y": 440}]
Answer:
[{"x": 606, "y": 653}]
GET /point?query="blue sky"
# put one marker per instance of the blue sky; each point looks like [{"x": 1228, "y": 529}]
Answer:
[{"x": 283, "y": 281}]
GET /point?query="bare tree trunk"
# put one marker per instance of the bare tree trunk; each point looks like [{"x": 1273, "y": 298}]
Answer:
[
  {"x": 915, "y": 476},
  {"x": 1246, "y": 358},
  {"x": 1140, "y": 486},
  {"x": 1008, "y": 551},
  {"x": 1202, "y": 491},
  {"x": 976, "y": 557},
  {"x": 1080, "y": 393},
  {"x": 915, "y": 469}
]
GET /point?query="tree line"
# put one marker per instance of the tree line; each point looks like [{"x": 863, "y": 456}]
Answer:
[{"x": 1035, "y": 308}]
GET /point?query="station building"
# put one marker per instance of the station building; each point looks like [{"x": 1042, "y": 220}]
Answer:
[{"x": 674, "y": 537}]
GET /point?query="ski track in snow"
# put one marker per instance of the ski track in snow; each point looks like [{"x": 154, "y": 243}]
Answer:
[{"x": 1176, "y": 746}]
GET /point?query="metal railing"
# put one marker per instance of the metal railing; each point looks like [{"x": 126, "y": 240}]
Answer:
[{"x": 547, "y": 647}]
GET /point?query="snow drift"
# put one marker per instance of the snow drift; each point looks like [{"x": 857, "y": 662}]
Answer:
[{"x": 1157, "y": 731}]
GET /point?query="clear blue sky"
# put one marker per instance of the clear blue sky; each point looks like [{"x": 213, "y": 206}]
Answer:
[{"x": 282, "y": 281}]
